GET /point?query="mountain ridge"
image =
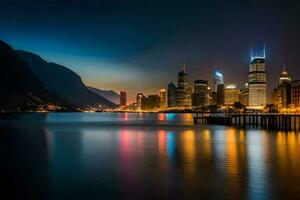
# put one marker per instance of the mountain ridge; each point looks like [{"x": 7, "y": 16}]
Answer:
[
  {"x": 20, "y": 88},
  {"x": 65, "y": 82},
  {"x": 111, "y": 95}
]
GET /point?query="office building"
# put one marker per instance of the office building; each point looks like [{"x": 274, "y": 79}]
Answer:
[
  {"x": 171, "y": 96},
  {"x": 200, "y": 97},
  {"x": 123, "y": 99},
  {"x": 183, "y": 93},
  {"x": 150, "y": 103},
  {"x": 139, "y": 98},
  {"x": 275, "y": 97},
  {"x": 218, "y": 79},
  {"x": 231, "y": 95},
  {"x": 244, "y": 96},
  {"x": 163, "y": 99},
  {"x": 219, "y": 87},
  {"x": 213, "y": 98},
  {"x": 282, "y": 95},
  {"x": 220, "y": 94},
  {"x": 257, "y": 79},
  {"x": 296, "y": 93}
]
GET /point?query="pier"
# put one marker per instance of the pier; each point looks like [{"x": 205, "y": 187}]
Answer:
[{"x": 269, "y": 121}]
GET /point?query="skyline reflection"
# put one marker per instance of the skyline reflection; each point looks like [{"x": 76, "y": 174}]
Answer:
[{"x": 162, "y": 161}]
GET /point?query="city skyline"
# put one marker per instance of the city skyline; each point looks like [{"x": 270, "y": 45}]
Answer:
[
  {"x": 150, "y": 99},
  {"x": 253, "y": 96},
  {"x": 113, "y": 45}
]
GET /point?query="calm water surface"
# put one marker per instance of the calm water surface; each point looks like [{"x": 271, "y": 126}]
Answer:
[{"x": 143, "y": 156}]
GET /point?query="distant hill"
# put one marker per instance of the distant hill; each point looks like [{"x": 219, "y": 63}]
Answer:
[
  {"x": 107, "y": 94},
  {"x": 66, "y": 83},
  {"x": 19, "y": 86}
]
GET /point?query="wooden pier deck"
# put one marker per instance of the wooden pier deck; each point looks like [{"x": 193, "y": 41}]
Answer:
[{"x": 284, "y": 122}]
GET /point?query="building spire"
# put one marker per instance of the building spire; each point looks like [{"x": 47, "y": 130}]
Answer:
[{"x": 184, "y": 66}]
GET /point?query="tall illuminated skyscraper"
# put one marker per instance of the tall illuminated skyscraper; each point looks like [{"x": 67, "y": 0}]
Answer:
[
  {"x": 163, "y": 99},
  {"x": 257, "y": 79},
  {"x": 183, "y": 93},
  {"x": 219, "y": 86},
  {"x": 231, "y": 94},
  {"x": 139, "y": 98},
  {"x": 281, "y": 95},
  {"x": 218, "y": 79}
]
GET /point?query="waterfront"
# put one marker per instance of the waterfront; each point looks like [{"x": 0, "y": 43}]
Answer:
[{"x": 144, "y": 155}]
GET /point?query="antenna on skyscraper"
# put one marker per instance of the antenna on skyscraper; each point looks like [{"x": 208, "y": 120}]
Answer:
[{"x": 184, "y": 66}]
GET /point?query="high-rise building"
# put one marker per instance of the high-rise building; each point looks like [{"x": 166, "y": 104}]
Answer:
[
  {"x": 218, "y": 79},
  {"x": 220, "y": 94},
  {"x": 244, "y": 95},
  {"x": 150, "y": 103},
  {"x": 257, "y": 79},
  {"x": 153, "y": 102},
  {"x": 296, "y": 93},
  {"x": 275, "y": 96},
  {"x": 282, "y": 95},
  {"x": 183, "y": 93},
  {"x": 231, "y": 95},
  {"x": 139, "y": 98},
  {"x": 213, "y": 98},
  {"x": 219, "y": 87},
  {"x": 200, "y": 97},
  {"x": 123, "y": 98},
  {"x": 171, "y": 96},
  {"x": 209, "y": 96},
  {"x": 163, "y": 99}
]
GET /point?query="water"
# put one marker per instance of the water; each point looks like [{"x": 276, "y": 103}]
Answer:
[{"x": 143, "y": 156}]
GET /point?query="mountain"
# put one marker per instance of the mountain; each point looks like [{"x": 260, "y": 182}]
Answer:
[
  {"x": 66, "y": 83},
  {"x": 20, "y": 88},
  {"x": 107, "y": 94}
]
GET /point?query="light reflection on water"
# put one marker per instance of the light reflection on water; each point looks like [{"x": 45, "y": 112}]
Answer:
[{"x": 148, "y": 156}]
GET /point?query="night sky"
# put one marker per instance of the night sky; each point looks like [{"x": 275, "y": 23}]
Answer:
[{"x": 139, "y": 46}]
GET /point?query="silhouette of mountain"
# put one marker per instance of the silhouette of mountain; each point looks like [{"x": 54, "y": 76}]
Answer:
[
  {"x": 20, "y": 88},
  {"x": 107, "y": 94},
  {"x": 66, "y": 83}
]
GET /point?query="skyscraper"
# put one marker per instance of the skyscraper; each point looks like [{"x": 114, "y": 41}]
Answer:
[
  {"x": 257, "y": 79},
  {"x": 171, "y": 96},
  {"x": 220, "y": 94},
  {"x": 183, "y": 93},
  {"x": 150, "y": 103},
  {"x": 200, "y": 96},
  {"x": 218, "y": 79},
  {"x": 213, "y": 98},
  {"x": 282, "y": 95},
  {"x": 219, "y": 86},
  {"x": 231, "y": 95},
  {"x": 244, "y": 95},
  {"x": 139, "y": 98},
  {"x": 123, "y": 100},
  {"x": 296, "y": 94},
  {"x": 163, "y": 99}
]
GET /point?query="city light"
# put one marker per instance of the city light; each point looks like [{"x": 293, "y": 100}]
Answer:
[{"x": 230, "y": 86}]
